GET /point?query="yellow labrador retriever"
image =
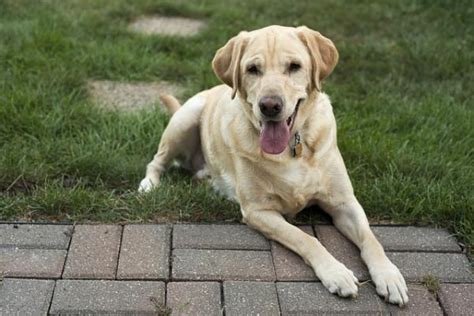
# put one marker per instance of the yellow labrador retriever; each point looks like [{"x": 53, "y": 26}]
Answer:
[{"x": 267, "y": 138}]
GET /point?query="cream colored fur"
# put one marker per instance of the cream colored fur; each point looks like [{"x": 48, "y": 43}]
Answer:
[{"x": 216, "y": 133}]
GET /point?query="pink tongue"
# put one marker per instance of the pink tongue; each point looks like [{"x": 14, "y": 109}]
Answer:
[{"x": 274, "y": 137}]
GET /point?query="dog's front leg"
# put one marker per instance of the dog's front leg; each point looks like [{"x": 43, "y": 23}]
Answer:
[
  {"x": 349, "y": 217},
  {"x": 333, "y": 274}
]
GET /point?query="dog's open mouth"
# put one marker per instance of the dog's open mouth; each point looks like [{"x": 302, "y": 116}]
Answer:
[{"x": 275, "y": 135}]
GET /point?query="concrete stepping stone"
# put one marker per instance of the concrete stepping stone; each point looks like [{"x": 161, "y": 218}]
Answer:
[
  {"x": 25, "y": 297},
  {"x": 163, "y": 25},
  {"x": 128, "y": 97}
]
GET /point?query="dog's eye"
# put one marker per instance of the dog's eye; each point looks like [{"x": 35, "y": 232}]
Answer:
[
  {"x": 253, "y": 70},
  {"x": 294, "y": 67}
]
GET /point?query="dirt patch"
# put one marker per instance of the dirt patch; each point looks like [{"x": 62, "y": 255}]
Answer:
[
  {"x": 123, "y": 96},
  {"x": 150, "y": 25}
]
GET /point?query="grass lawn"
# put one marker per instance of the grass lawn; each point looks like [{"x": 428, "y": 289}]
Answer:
[{"x": 402, "y": 94}]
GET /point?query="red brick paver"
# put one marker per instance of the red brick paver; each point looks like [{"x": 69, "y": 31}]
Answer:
[
  {"x": 218, "y": 237},
  {"x": 457, "y": 299},
  {"x": 448, "y": 267},
  {"x": 194, "y": 264},
  {"x": 32, "y": 263},
  {"x": 288, "y": 265},
  {"x": 211, "y": 270},
  {"x": 421, "y": 302},
  {"x": 35, "y": 236},
  {"x": 250, "y": 298},
  {"x": 410, "y": 238},
  {"x": 343, "y": 250},
  {"x": 145, "y": 252},
  {"x": 315, "y": 299},
  {"x": 25, "y": 297},
  {"x": 194, "y": 298},
  {"x": 94, "y": 252},
  {"x": 107, "y": 297}
]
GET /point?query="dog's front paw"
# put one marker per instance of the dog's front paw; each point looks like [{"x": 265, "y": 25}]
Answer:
[
  {"x": 390, "y": 283},
  {"x": 338, "y": 279},
  {"x": 146, "y": 185}
]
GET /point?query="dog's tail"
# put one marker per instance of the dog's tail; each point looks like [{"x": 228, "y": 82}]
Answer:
[{"x": 170, "y": 102}]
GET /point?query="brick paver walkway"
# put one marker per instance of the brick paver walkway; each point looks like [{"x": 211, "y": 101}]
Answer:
[{"x": 186, "y": 269}]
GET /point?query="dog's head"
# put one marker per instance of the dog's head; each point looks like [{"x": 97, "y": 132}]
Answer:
[{"x": 274, "y": 70}]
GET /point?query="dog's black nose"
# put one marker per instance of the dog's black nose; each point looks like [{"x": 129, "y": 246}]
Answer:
[{"x": 270, "y": 106}]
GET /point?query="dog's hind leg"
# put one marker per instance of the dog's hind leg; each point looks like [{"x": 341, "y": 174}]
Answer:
[{"x": 180, "y": 139}]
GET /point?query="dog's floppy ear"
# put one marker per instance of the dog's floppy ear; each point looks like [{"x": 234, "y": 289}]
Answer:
[
  {"x": 226, "y": 62},
  {"x": 324, "y": 55}
]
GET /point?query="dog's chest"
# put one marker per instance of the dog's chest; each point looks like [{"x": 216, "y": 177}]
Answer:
[
  {"x": 294, "y": 184},
  {"x": 298, "y": 185}
]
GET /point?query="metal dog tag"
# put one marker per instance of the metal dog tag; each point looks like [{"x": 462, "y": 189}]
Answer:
[{"x": 297, "y": 148}]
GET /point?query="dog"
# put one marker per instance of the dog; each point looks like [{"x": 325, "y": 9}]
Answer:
[{"x": 267, "y": 140}]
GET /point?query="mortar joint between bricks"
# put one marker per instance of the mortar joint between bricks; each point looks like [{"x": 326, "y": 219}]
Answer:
[
  {"x": 276, "y": 276},
  {"x": 221, "y": 284},
  {"x": 122, "y": 227},
  {"x": 170, "y": 236},
  {"x": 71, "y": 235},
  {"x": 51, "y": 299},
  {"x": 438, "y": 300},
  {"x": 72, "y": 231},
  {"x": 278, "y": 297}
]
